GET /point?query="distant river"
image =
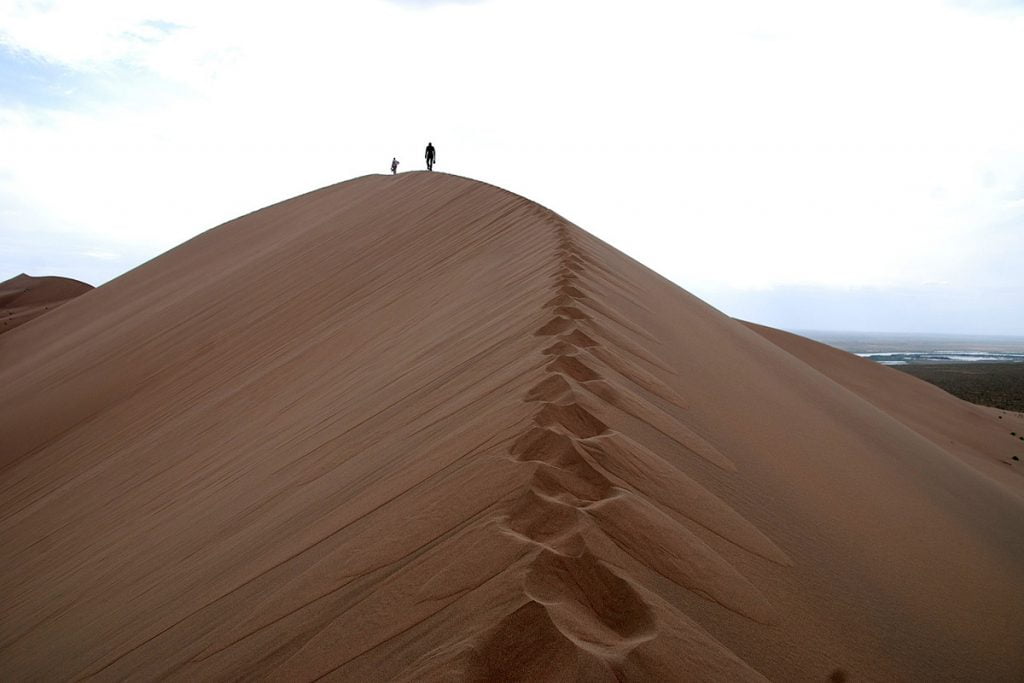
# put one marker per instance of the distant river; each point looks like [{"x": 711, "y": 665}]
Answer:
[
  {"x": 918, "y": 349},
  {"x": 906, "y": 358}
]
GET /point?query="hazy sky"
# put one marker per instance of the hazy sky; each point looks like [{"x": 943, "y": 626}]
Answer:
[{"x": 804, "y": 164}]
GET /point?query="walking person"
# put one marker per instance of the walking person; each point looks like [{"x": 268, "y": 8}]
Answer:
[
  {"x": 430, "y": 156},
  {"x": 394, "y": 165}
]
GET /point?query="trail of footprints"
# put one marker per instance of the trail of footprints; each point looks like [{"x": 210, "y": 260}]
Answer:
[{"x": 592, "y": 484}]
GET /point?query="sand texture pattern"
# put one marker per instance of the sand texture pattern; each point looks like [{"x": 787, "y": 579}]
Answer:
[{"x": 420, "y": 428}]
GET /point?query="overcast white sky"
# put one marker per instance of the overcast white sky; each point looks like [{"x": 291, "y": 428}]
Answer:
[{"x": 801, "y": 163}]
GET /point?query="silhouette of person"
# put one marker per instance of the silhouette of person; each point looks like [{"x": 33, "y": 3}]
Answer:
[
  {"x": 394, "y": 165},
  {"x": 430, "y": 156}
]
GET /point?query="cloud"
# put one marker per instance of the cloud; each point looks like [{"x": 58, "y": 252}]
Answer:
[
  {"x": 101, "y": 255},
  {"x": 934, "y": 307},
  {"x": 422, "y": 4},
  {"x": 737, "y": 145},
  {"x": 30, "y": 82},
  {"x": 1008, "y": 6}
]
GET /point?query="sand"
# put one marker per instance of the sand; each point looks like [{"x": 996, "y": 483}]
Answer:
[
  {"x": 420, "y": 428},
  {"x": 24, "y": 298}
]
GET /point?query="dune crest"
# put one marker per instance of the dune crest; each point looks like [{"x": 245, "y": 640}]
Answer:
[{"x": 420, "y": 428}]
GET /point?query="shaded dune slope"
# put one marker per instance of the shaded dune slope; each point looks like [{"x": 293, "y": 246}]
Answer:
[
  {"x": 417, "y": 427},
  {"x": 23, "y": 298},
  {"x": 961, "y": 427}
]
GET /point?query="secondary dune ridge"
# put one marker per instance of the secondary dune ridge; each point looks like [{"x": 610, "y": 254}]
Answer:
[
  {"x": 23, "y": 298},
  {"x": 418, "y": 427}
]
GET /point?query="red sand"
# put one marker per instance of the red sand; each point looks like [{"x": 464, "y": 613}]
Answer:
[
  {"x": 417, "y": 427},
  {"x": 24, "y": 297}
]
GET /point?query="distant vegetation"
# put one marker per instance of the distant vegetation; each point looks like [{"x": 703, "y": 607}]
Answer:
[{"x": 1000, "y": 385}]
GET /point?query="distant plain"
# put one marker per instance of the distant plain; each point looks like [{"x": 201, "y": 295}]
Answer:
[{"x": 987, "y": 370}]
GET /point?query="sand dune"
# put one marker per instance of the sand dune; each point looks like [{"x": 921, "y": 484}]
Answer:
[
  {"x": 420, "y": 428},
  {"x": 23, "y": 298}
]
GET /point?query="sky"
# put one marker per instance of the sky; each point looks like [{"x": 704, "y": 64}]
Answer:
[{"x": 805, "y": 164}]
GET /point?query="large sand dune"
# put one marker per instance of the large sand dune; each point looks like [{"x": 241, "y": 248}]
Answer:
[{"x": 417, "y": 427}]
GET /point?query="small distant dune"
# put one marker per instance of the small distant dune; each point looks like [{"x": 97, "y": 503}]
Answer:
[{"x": 23, "y": 298}]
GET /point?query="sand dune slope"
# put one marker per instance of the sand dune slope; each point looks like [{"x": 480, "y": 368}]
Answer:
[
  {"x": 24, "y": 297},
  {"x": 420, "y": 428},
  {"x": 963, "y": 429}
]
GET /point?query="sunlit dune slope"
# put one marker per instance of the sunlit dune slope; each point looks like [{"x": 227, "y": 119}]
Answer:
[
  {"x": 23, "y": 298},
  {"x": 420, "y": 428}
]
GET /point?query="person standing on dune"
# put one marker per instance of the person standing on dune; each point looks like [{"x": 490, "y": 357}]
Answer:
[
  {"x": 430, "y": 156},
  {"x": 394, "y": 165}
]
